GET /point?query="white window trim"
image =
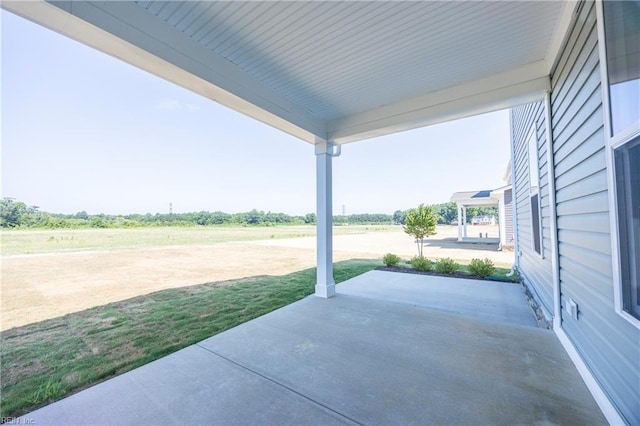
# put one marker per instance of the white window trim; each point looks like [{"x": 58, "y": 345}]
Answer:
[
  {"x": 533, "y": 134},
  {"x": 611, "y": 143}
]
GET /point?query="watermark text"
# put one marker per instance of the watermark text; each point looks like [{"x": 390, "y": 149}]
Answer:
[{"x": 17, "y": 421}]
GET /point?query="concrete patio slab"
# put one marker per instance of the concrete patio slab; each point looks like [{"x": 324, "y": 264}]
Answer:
[
  {"x": 191, "y": 386},
  {"x": 490, "y": 300},
  {"x": 379, "y": 362},
  {"x": 348, "y": 359}
]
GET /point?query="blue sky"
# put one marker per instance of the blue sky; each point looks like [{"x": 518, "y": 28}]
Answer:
[{"x": 84, "y": 131}]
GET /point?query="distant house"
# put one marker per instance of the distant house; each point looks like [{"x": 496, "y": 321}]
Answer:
[
  {"x": 485, "y": 219},
  {"x": 502, "y": 198}
]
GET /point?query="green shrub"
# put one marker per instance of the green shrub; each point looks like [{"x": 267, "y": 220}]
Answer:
[
  {"x": 419, "y": 263},
  {"x": 481, "y": 268},
  {"x": 516, "y": 276},
  {"x": 391, "y": 259},
  {"x": 447, "y": 265}
]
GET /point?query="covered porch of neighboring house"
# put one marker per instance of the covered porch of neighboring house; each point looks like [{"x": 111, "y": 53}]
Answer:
[
  {"x": 389, "y": 348},
  {"x": 502, "y": 198},
  {"x": 467, "y": 199}
]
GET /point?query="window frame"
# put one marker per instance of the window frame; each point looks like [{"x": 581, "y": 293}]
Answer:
[
  {"x": 628, "y": 232},
  {"x": 534, "y": 190},
  {"x": 613, "y": 142}
]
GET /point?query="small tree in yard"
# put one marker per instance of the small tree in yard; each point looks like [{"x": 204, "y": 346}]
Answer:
[{"x": 421, "y": 223}]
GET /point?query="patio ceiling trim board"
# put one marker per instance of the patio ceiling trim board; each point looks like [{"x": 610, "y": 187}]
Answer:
[{"x": 504, "y": 90}]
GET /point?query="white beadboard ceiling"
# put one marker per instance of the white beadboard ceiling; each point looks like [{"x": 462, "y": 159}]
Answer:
[{"x": 331, "y": 70}]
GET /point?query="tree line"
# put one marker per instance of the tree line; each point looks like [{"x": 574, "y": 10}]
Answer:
[{"x": 16, "y": 214}]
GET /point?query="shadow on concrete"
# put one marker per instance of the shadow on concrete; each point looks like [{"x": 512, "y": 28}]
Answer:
[{"x": 452, "y": 243}]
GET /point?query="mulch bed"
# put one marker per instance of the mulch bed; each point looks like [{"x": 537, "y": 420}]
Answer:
[{"x": 435, "y": 273}]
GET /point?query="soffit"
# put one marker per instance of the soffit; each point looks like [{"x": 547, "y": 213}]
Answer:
[
  {"x": 341, "y": 58},
  {"x": 330, "y": 70}
]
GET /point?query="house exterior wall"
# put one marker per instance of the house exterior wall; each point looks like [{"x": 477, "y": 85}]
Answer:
[
  {"x": 536, "y": 270},
  {"x": 607, "y": 343}
]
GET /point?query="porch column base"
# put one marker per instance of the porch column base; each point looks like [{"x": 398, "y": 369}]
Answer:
[
  {"x": 459, "y": 223},
  {"x": 325, "y": 290}
]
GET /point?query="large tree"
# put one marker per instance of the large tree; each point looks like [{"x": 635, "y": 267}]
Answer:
[
  {"x": 399, "y": 217},
  {"x": 15, "y": 213},
  {"x": 421, "y": 223}
]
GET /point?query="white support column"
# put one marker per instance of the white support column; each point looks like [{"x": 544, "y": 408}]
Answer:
[
  {"x": 459, "y": 222},
  {"x": 464, "y": 221},
  {"x": 325, "y": 285}
]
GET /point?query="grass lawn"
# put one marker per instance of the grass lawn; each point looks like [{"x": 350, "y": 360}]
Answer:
[
  {"x": 46, "y": 361},
  {"x": 30, "y": 241}
]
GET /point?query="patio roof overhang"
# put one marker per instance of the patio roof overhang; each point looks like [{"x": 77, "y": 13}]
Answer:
[
  {"x": 475, "y": 198},
  {"x": 330, "y": 71}
]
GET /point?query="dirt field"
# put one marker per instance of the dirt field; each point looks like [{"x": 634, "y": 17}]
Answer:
[{"x": 44, "y": 285}]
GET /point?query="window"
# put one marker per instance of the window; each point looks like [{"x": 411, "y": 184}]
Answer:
[
  {"x": 622, "y": 40},
  {"x": 627, "y": 168},
  {"x": 534, "y": 192},
  {"x": 622, "y": 49}
]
